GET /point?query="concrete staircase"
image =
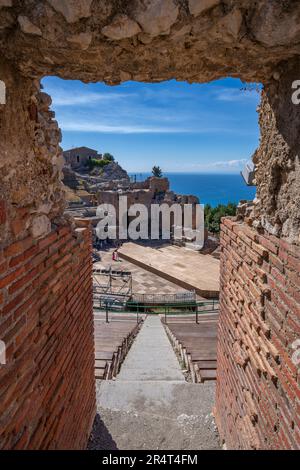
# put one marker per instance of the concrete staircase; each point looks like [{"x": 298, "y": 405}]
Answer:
[{"x": 150, "y": 405}]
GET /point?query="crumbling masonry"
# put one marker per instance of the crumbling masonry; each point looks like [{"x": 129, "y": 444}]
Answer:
[{"x": 47, "y": 387}]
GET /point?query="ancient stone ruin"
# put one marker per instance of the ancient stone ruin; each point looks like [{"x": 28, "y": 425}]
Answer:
[{"x": 47, "y": 386}]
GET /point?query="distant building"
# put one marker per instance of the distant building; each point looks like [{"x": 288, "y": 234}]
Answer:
[{"x": 78, "y": 157}]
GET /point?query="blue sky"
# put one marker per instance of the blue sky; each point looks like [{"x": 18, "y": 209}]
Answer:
[{"x": 199, "y": 128}]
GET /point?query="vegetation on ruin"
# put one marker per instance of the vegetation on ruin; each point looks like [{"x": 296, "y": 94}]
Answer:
[
  {"x": 93, "y": 163},
  {"x": 213, "y": 215},
  {"x": 108, "y": 157},
  {"x": 156, "y": 171}
]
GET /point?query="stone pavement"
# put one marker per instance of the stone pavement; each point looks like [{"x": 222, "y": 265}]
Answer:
[
  {"x": 150, "y": 406},
  {"x": 143, "y": 281},
  {"x": 186, "y": 268}
]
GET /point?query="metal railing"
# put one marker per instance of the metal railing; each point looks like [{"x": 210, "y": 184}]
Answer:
[
  {"x": 167, "y": 309},
  {"x": 111, "y": 308},
  {"x": 199, "y": 308},
  {"x": 189, "y": 296}
]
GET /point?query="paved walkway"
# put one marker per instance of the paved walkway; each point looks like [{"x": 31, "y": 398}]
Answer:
[{"x": 150, "y": 406}]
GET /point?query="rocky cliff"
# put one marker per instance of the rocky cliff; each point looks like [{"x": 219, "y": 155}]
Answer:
[{"x": 111, "y": 171}]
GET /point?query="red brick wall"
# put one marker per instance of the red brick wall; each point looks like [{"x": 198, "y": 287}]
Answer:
[
  {"x": 47, "y": 392},
  {"x": 258, "y": 395}
]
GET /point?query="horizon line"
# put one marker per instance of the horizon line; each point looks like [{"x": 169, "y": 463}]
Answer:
[{"x": 187, "y": 172}]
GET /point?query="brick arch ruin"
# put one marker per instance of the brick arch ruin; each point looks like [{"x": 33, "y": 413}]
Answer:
[{"x": 47, "y": 386}]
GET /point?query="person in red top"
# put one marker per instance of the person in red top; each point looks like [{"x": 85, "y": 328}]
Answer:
[{"x": 115, "y": 255}]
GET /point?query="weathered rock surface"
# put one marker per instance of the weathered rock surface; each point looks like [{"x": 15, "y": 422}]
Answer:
[
  {"x": 72, "y": 10},
  {"x": 27, "y": 27},
  {"x": 80, "y": 186},
  {"x": 156, "y": 16},
  {"x": 230, "y": 25},
  {"x": 277, "y": 207},
  {"x": 30, "y": 158},
  {"x": 274, "y": 26},
  {"x": 218, "y": 38},
  {"x": 83, "y": 40},
  {"x": 112, "y": 171},
  {"x": 200, "y": 6},
  {"x": 5, "y": 3},
  {"x": 41, "y": 226},
  {"x": 121, "y": 27}
]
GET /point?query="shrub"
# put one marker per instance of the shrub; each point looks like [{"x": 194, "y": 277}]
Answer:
[
  {"x": 213, "y": 215},
  {"x": 109, "y": 157},
  {"x": 93, "y": 163}
]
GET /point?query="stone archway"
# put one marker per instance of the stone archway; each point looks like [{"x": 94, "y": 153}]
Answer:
[{"x": 149, "y": 40}]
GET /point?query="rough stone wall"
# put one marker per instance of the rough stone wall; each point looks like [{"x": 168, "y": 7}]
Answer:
[
  {"x": 158, "y": 185},
  {"x": 154, "y": 40},
  {"x": 31, "y": 193},
  {"x": 277, "y": 160},
  {"x": 47, "y": 389},
  {"x": 149, "y": 40},
  {"x": 258, "y": 391},
  {"x": 79, "y": 157}
]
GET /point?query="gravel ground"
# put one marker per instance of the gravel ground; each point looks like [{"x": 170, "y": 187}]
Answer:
[
  {"x": 185, "y": 424},
  {"x": 141, "y": 431}
]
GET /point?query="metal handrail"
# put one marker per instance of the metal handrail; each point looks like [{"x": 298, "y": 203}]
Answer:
[
  {"x": 199, "y": 303},
  {"x": 166, "y": 309},
  {"x": 163, "y": 298},
  {"x": 213, "y": 303}
]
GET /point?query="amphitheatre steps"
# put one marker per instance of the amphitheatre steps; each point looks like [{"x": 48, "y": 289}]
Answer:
[
  {"x": 196, "y": 344},
  {"x": 112, "y": 343}
]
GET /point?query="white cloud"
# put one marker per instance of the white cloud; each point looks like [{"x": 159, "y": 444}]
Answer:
[
  {"x": 117, "y": 129},
  {"x": 235, "y": 94},
  {"x": 65, "y": 98},
  {"x": 226, "y": 165},
  {"x": 115, "y": 126},
  {"x": 230, "y": 163}
]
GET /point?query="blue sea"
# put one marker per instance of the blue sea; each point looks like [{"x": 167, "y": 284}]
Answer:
[{"x": 211, "y": 189}]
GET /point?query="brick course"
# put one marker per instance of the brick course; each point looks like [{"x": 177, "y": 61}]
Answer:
[
  {"x": 47, "y": 387},
  {"x": 257, "y": 382}
]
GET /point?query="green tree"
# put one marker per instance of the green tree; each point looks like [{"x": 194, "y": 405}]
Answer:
[
  {"x": 156, "y": 171},
  {"x": 213, "y": 215},
  {"x": 109, "y": 157}
]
